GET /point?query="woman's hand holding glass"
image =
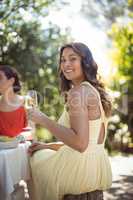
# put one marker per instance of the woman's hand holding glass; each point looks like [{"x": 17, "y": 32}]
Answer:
[
  {"x": 35, "y": 115},
  {"x": 31, "y": 104}
]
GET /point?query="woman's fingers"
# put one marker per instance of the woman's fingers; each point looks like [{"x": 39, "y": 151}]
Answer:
[
  {"x": 35, "y": 147},
  {"x": 31, "y": 151},
  {"x": 34, "y": 114},
  {"x": 30, "y": 112},
  {"x": 35, "y": 144},
  {"x": 32, "y": 148}
]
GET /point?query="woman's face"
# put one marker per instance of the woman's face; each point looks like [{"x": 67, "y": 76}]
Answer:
[
  {"x": 71, "y": 66},
  {"x": 5, "y": 83}
]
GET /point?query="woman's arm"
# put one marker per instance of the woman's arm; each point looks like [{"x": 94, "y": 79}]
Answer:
[
  {"x": 77, "y": 136},
  {"x": 39, "y": 146}
]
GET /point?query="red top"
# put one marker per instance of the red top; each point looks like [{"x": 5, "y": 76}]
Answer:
[{"x": 13, "y": 122}]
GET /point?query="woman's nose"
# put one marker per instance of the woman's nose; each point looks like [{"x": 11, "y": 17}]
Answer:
[{"x": 67, "y": 63}]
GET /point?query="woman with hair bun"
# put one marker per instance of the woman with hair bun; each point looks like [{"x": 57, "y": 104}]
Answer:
[
  {"x": 12, "y": 112},
  {"x": 79, "y": 163}
]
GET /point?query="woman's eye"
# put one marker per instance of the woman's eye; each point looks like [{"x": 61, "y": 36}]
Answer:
[
  {"x": 62, "y": 60},
  {"x": 70, "y": 60},
  {"x": 73, "y": 59}
]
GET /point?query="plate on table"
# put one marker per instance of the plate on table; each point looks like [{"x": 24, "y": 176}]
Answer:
[{"x": 9, "y": 145}]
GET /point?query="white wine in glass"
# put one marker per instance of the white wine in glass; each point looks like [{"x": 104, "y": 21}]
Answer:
[{"x": 31, "y": 99}]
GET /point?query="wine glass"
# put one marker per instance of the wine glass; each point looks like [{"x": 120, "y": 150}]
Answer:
[{"x": 31, "y": 99}]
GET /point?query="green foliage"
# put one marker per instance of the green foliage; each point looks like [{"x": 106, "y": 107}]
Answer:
[
  {"x": 122, "y": 37},
  {"x": 123, "y": 42},
  {"x": 29, "y": 43}
]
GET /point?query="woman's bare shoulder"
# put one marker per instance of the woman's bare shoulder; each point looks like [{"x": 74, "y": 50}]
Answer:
[{"x": 83, "y": 94}]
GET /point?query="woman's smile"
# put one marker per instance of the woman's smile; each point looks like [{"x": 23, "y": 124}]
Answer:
[{"x": 68, "y": 71}]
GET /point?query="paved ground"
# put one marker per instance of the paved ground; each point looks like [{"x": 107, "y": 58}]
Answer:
[{"x": 122, "y": 187}]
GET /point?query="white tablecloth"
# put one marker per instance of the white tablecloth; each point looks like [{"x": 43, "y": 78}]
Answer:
[{"x": 14, "y": 166}]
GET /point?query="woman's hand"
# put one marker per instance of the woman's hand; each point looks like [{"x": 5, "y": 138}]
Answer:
[
  {"x": 35, "y": 115},
  {"x": 36, "y": 147}
]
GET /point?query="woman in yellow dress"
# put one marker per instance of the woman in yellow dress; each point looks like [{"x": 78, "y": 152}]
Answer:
[{"x": 79, "y": 163}]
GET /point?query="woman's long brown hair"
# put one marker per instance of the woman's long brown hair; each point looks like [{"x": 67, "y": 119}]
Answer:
[{"x": 89, "y": 68}]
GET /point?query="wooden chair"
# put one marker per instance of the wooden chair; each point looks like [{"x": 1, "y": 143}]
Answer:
[{"x": 95, "y": 195}]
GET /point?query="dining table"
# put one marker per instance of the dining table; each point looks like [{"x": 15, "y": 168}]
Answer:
[{"x": 14, "y": 167}]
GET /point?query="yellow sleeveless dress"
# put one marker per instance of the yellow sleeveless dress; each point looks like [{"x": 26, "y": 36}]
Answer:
[{"x": 68, "y": 171}]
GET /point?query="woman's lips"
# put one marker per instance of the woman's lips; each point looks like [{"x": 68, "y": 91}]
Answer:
[{"x": 68, "y": 71}]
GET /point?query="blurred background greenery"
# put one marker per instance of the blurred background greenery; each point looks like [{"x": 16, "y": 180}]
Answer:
[{"x": 30, "y": 41}]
